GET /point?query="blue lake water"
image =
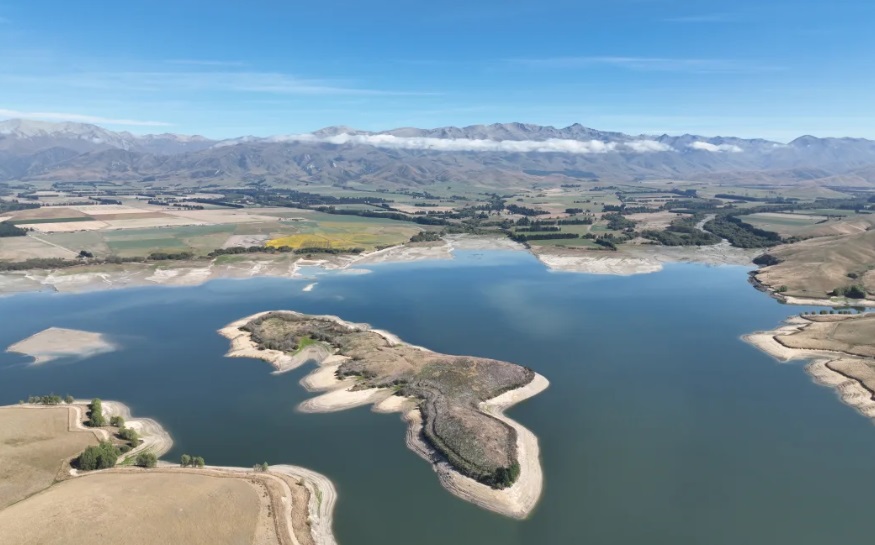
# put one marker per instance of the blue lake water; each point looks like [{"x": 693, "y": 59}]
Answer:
[{"x": 660, "y": 426}]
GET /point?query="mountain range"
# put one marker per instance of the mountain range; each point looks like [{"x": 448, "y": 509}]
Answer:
[{"x": 509, "y": 154}]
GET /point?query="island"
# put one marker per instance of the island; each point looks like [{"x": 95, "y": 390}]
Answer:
[
  {"x": 92, "y": 469},
  {"x": 840, "y": 347},
  {"x": 453, "y": 404},
  {"x": 57, "y": 342}
]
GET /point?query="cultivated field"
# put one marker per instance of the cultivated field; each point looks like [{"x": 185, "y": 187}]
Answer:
[
  {"x": 140, "y": 508},
  {"x": 34, "y": 445}
]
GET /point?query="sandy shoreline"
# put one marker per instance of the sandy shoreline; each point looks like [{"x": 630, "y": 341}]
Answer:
[
  {"x": 517, "y": 501},
  {"x": 844, "y": 373},
  {"x": 156, "y": 440},
  {"x": 628, "y": 261}
]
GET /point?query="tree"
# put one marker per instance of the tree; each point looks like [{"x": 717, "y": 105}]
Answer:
[
  {"x": 102, "y": 456},
  {"x": 264, "y": 466},
  {"x": 95, "y": 414},
  {"x": 198, "y": 461},
  {"x": 185, "y": 461},
  {"x": 69, "y": 399},
  {"x": 146, "y": 459},
  {"x": 117, "y": 421},
  {"x": 130, "y": 435}
]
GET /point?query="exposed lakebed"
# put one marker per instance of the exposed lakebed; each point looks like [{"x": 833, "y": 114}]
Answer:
[{"x": 660, "y": 426}]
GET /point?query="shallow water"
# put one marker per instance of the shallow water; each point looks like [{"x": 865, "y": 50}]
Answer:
[{"x": 660, "y": 427}]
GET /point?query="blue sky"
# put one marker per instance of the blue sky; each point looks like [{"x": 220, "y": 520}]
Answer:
[{"x": 775, "y": 69}]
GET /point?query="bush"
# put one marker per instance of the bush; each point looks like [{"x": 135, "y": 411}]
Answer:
[
  {"x": 69, "y": 399},
  {"x": 95, "y": 414},
  {"x": 102, "y": 456},
  {"x": 130, "y": 435},
  {"x": 146, "y": 459},
  {"x": 117, "y": 422},
  {"x": 766, "y": 260},
  {"x": 851, "y": 292}
]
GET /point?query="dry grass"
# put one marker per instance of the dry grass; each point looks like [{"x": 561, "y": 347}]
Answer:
[
  {"x": 137, "y": 508},
  {"x": 815, "y": 267},
  {"x": 853, "y": 335},
  {"x": 34, "y": 444},
  {"x": 29, "y": 247}
]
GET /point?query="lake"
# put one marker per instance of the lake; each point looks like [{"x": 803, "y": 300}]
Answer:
[{"x": 660, "y": 426}]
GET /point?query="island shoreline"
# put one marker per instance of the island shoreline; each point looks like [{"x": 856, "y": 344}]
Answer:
[{"x": 516, "y": 501}]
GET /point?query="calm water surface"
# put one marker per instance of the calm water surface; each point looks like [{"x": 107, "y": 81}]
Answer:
[{"x": 660, "y": 426}]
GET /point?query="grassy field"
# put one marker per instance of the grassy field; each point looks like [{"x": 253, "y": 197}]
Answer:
[
  {"x": 34, "y": 443},
  {"x": 201, "y": 510}
]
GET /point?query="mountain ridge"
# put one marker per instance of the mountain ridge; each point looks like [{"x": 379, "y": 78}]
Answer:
[{"x": 518, "y": 153}]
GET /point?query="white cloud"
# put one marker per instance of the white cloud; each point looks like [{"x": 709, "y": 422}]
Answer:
[
  {"x": 716, "y": 148},
  {"x": 553, "y": 145},
  {"x": 651, "y": 64},
  {"x": 80, "y": 118},
  {"x": 645, "y": 146}
]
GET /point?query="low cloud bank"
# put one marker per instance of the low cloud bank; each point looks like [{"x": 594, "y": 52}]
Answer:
[
  {"x": 552, "y": 145},
  {"x": 715, "y": 148}
]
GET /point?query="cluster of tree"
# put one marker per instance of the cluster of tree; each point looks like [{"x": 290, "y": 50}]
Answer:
[
  {"x": 191, "y": 461},
  {"x": 15, "y": 206},
  {"x": 546, "y": 236},
  {"x": 851, "y": 292},
  {"x": 813, "y": 313},
  {"x": 606, "y": 242},
  {"x": 739, "y": 197},
  {"x": 307, "y": 250},
  {"x": 95, "y": 414},
  {"x": 503, "y": 477},
  {"x": 572, "y": 211},
  {"x": 545, "y": 228},
  {"x": 146, "y": 459},
  {"x": 682, "y": 232},
  {"x": 51, "y": 399},
  {"x": 586, "y": 220},
  {"x": 217, "y": 202},
  {"x": 85, "y": 254},
  {"x": 426, "y": 236},
  {"x": 617, "y": 222},
  {"x": 102, "y": 456},
  {"x": 692, "y": 206},
  {"x": 766, "y": 260},
  {"x": 37, "y": 263},
  {"x": 741, "y": 234},
  {"x": 8, "y": 229},
  {"x": 164, "y": 256},
  {"x": 102, "y": 200},
  {"x": 237, "y": 250},
  {"x": 261, "y": 468},
  {"x": 130, "y": 435},
  {"x": 525, "y": 210},
  {"x": 422, "y": 220}
]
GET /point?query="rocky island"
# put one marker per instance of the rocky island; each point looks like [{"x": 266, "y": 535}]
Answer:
[{"x": 452, "y": 403}]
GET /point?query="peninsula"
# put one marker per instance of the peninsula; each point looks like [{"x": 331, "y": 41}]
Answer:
[
  {"x": 453, "y": 404},
  {"x": 43, "y": 445},
  {"x": 840, "y": 349}
]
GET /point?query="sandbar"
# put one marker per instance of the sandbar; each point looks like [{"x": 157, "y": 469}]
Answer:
[{"x": 56, "y": 342}]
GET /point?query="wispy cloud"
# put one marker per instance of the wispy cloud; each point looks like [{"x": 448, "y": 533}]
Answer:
[
  {"x": 204, "y": 62},
  {"x": 702, "y": 19},
  {"x": 80, "y": 118},
  {"x": 650, "y": 64},
  {"x": 276, "y": 83}
]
